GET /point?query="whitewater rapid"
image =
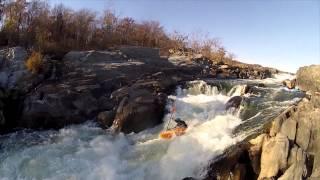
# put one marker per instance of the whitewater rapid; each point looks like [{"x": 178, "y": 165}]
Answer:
[{"x": 89, "y": 152}]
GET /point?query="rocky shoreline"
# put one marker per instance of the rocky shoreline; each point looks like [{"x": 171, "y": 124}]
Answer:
[
  {"x": 118, "y": 88},
  {"x": 287, "y": 148}
]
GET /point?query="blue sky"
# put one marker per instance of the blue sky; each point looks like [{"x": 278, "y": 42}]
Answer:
[{"x": 279, "y": 33}]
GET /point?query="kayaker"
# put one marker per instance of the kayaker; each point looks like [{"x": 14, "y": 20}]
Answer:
[
  {"x": 180, "y": 128},
  {"x": 180, "y": 124}
]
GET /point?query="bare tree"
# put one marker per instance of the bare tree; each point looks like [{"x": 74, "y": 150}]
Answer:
[{"x": 32, "y": 23}]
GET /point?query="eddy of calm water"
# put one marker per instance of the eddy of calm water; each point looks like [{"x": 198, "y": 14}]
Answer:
[{"x": 88, "y": 152}]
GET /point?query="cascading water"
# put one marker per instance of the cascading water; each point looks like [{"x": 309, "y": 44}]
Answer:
[
  {"x": 88, "y": 152},
  {"x": 237, "y": 90}
]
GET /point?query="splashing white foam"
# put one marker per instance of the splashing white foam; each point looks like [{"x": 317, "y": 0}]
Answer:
[
  {"x": 237, "y": 90},
  {"x": 200, "y": 87},
  {"x": 87, "y": 152},
  {"x": 278, "y": 78}
]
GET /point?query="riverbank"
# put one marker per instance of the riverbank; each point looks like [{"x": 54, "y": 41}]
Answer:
[{"x": 288, "y": 146}]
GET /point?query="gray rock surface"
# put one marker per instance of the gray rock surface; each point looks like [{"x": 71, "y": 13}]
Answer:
[
  {"x": 85, "y": 83},
  {"x": 12, "y": 67}
]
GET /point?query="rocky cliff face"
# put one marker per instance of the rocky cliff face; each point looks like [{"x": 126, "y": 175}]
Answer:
[
  {"x": 289, "y": 149},
  {"x": 15, "y": 82},
  {"x": 308, "y": 78}
]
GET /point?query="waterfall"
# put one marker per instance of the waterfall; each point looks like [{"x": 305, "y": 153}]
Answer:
[
  {"x": 201, "y": 87},
  {"x": 238, "y": 90}
]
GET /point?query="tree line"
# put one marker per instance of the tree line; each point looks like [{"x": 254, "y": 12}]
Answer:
[{"x": 59, "y": 29}]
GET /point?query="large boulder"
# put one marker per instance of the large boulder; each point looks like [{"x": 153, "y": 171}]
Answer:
[
  {"x": 290, "y": 84},
  {"x": 52, "y": 107},
  {"x": 308, "y": 78},
  {"x": 274, "y": 156},
  {"x": 139, "y": 110},
  {"x": 234, "y": 102},
  {"x": 105, "y": 118}
]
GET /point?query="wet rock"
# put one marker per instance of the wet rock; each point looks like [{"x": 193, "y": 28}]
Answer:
[
  {"x": 234, "y": 163},
  {"x": 290, "y": 84},
  {"x": 106, "y": 118},
  {"x": 308, "y": 78},
  {"x": 261, "y": 85},
  {"x": 248, "y": 89},
  {"x": 234, "y": 102},
  {"x": 138, "y": 111}
]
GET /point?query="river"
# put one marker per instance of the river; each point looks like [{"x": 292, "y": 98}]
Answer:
[{"x": 86, "y": 151}]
